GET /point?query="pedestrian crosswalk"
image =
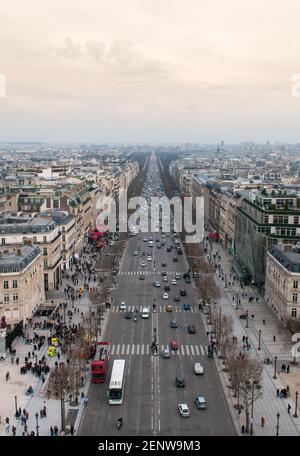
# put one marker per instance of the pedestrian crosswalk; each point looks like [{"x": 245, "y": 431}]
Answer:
[
  {"x": 176, "y": 309},
  {"x": 145, "y": 349},
  {"x": 146, "y": 272}
]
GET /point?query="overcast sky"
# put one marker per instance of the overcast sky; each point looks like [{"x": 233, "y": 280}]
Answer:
[{"x": 149, "y": 70}]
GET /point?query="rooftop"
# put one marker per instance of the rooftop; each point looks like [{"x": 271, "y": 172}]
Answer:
[
  {"x": 19, "y": 260},
  {"x": 289, "y": 260}
]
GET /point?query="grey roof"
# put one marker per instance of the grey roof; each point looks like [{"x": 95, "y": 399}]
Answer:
[
  {"x": 12, "y": 262},
  {"x": 290, "y": 260}
]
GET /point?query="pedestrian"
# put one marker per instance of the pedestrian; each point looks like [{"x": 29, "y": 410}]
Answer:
[
  {"x": 278, "y": 393},
  {"x": 7, "y": 376},
  {"x": 7, "y": 427},
  {"x": 289, "y": 408},
  {"x": 274, "y": 338},
  {"x": 51, "y": 431},
  {"x": 262, "y": 420},
  {"x": 264, "y": 322},
  {"x": 14, "y": 430},
  {"x": 288, "y": 369},
  {"x": 55, "y": 430},
  {"x": 243, "y": 429},
  {"x": 72, "y": 430}
]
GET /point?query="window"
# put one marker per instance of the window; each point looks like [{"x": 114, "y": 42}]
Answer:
[
  {"x": 6, "y": 297},
  {"x": 34, "y": 239},
  {"x": 295, "y": 284},
  {"x": 45, "y": 251},
  {"x": 15, "y": 297},
  {"x": 3, "y": 241},
  {"x": 45, "y": 263},
  {"x": 295, "y": 297},
  {"x": 296, "y": 220},
  {"x": 15, "y": 284},
  {"x": 5, "y": 284},
  {"x": 294, "y": 312},
  {"x": 44, "y": 239}
]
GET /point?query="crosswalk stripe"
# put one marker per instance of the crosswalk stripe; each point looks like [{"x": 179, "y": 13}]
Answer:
[
  {"x": 123, "y": 349},
  {"x": 142, "y": 349},
  {"x": 192, "y": 350},
  {"x": 182, "y": 350},
  {"x": 118, "y": 349},
  {"x": 138, "y": 349},
  {"x": 197, "y": 350},
  {"x": 128, "y": 349},
  {"x": 147, "y": 349},
  {"x": 201, "y": 348},
  {"x": 132, "y": 351},
  {"x": 113, "y": 349},
  {"x": 187, "y": 350}
]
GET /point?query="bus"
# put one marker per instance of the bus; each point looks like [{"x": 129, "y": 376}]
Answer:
[
  {"x": 117, "y": 381},
  {"x": 99, "y": 364}
]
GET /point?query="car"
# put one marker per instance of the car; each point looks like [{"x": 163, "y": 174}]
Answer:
[
  {"x": 167, "y": 287},
  {"x": 163, "y": 243},
  {"x": 186, "y": 306},
  {"x": 173, "y": 324},
  {"x": 176, "y": 298},
  {"x": 169, "y": 308},
  {"x": 183, "y": 410},
  {"x": 191, "y": 329},
  {"x": 115, "y": 272},
  {"x": 163, "y": 273},
  {"x": 142, "y": 276},
  {"x": 179, "y": 251},
  {"x": 165, "y": 279},
  {"x": 143, "y": 263},
  {"x": 174, "y": 282},
  {"x": 166, "y": 352},
  {"x": 198, "y": 369},
  {"x": 145, "y": 239},
  {"x": 122, "y": 305},
  {"x": 169, "y": 249},
  {"x": 156, "y": 284},
  {"x": 175, "y": 259},
  {"x": 243, "y": 316},
  {"x": 149, "y": 258},
  {"x": 174, "y": 345},
  {"x": 158, "y": 246},
  {"x": 165, "y": 296},
  {"x": 177, "y": 275},
  {"x": 180, "y": 382},
  {"x": 157, "y": 240},
  {"x": 182, "y": 292},
  {"x": 187, "y": 280},
  {"x": 200, "y": 402},
  {"x": 135, "y": 253},
  {"x": 111, "y": 243},
  {"x": 128, "y": 315},
  {"x": 164, "y": 264}
]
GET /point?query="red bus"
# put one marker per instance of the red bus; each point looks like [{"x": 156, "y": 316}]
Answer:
[
  {"x": 99, "y": 364},
  {"x": 95, "y": 234}
]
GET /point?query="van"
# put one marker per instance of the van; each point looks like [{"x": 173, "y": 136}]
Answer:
[{"x": 146, "y": 312}]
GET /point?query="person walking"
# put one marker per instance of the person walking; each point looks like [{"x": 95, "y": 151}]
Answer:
[
  {"x": 274, "y": 338},
  {"x": 7, "y": 427},
  {"x": 51, "y": 431},
  {"x": 278, "y": 393},
  {"x": 289, "y": 408},
  {"x": 262, "y": 420},
  {"x": 7, "y": 376},
  {"x": 288, "y": 369},
  {"x": 14, "y": 429},
  {"x": 72, "y": 430},
  {"x": 243, "y": 429}
]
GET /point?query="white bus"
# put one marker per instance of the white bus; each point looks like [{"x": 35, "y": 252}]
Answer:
[{"x": 117, "y": 382}]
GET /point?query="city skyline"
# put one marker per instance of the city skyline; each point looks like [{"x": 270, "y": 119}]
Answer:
[{"x": 100, "y": 74}]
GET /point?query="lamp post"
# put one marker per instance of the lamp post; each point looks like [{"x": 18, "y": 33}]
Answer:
[
  {"x": 247, "y": 319},
  {"x": 252, "y": 404},
  {"x": 296, "y": 405},
  {"x": 37, "y": 423},
  {"x": 259, "y": 337},
  {"x": 16, "y": 405},
  {"x": 237, "y": 301},
  {"x": 275, "y": 368},
  {"x": 277, "y": 426}
]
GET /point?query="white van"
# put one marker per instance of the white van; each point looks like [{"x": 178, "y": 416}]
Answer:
[{"x": 146, "y": 312}]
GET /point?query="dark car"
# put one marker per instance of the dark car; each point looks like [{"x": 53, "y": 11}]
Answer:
[
  {"x": 167, "y": 287},
  {"x": 163, "y": 243},
  {"x": 173, "y": 324},
  {"x": 186, "y": 306},
  {"x": 176, "y": 298},
  {"x": 128, "y": 315},
  {"x": 175, "y": 259},
  {"x": 191, "y": 329},
  {"x": 187, "y": 280},
  {"x": 179, "y": 251},
  {"x": 180, "y": 382},
  {"x": 182, "y": 292},
  {"x": 142, "y": 277},
  {"x": 163, "y": 273},
  {"x": 169, "y": 249},
  {"x": 164, "y": 264},
  {"x": 158, "y": 246}
]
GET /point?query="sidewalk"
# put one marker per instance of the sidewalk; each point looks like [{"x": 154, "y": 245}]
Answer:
[
  {"x": 16, "y": 386},
  {"x": 268, "y": 405}
]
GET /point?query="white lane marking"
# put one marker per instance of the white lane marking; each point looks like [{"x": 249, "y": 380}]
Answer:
[
  {"x": 142, "y": 349},
  {"x": 182, "y": 350},
  {"x": 113, "y": 349},
  {"x": 132, "y": 351},
  {"x": 147, "y": 349},
  {"x": 192, "y": 350},
  {"x": 118, "y": 349},
  {"x": 128, "y": 349},
  {"x": 138, "y": 350},
  {"x": 197, "y": 350},
  {"x": 201, "y": 348},
  {"x": 187, "y": 350},
  {"x": 123, "y": 349}
]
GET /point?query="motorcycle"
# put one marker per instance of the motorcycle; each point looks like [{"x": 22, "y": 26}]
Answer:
[
  {"x": 119, "y": 423},
  {"x": 135, "y": 319}
]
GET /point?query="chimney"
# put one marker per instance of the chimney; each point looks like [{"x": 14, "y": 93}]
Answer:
[{"x": 19, "y": 252}]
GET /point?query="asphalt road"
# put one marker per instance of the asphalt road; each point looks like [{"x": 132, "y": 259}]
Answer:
[{"x": 151, "y": 396}]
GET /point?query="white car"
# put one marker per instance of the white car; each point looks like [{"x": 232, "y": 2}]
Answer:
[
  {"x": 165, "y": 296},
  {"x": 143, "y": 263},
  {"x": 165, "y": 278},
  {"x": 183, "y": 410},
  {"x": 135, "y": 253},
  {"x": 122, "y": 306},
  {"x": 174, "y": 282},
  {"x": 145, "y": 239},
  {"x": 111, "y": 243},
  {"x": 149, "y": 258},
  {"x": 198, "y": 369}
]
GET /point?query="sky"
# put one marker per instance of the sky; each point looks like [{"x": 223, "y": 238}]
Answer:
[{"x": 149, "y": 70}]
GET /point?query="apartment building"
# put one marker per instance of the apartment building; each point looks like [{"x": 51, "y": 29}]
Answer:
[
  {"x": 21, "y": 283},
  {"x": 282, "y": 285}
]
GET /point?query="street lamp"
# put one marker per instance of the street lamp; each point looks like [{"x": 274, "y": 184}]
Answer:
[
  {"x": 237, "y": 301},
  {"x": 275, "y": 368},
  {"x": 252, "y": 403},
  {"x": 259, "y": 337},
  {"x": 37, "y": 423},
  {"x": 277, "y": 426},
  {"x": 296, "y": 405},
  {"x": 16, "y": 405}
]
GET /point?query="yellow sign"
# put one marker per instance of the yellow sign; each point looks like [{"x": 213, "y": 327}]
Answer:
[
  {"x": 51, "y": 351},
  {"x": 54, "y": 341}
]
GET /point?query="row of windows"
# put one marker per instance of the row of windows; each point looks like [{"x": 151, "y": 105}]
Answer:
[
  {"x": 6, "y": 297},
  {"x": 285, "y": 231},
  {"x": 6, "y": 284}
]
